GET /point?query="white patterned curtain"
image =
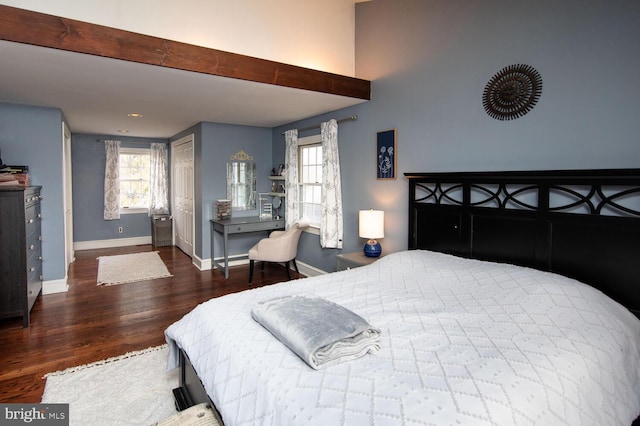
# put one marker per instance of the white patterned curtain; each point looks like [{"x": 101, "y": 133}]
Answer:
[
  {"x": 291, "y": 177},
  {"x": 112, "y": 180},
  {"x": 331, "y": 225},
  {"x": 158, "y": 180}
]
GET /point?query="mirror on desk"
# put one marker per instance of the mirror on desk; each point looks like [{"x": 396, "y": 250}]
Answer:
[{"x": 241, "y": 181}]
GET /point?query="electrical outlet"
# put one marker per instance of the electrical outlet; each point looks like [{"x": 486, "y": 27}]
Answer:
[{"x": 120, "y": 229}]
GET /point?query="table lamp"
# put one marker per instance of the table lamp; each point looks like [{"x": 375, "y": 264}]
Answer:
[{"x": 371, "y": 226}]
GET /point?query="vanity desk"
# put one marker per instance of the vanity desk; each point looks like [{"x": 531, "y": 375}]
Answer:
[{"x": 238, "y": 225}]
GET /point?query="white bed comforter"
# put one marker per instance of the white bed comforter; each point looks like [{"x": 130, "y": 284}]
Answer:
[{"x": 463, "y": 342}]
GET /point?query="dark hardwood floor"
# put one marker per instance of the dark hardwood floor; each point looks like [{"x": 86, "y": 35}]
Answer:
[{"x": 90, "y": 322}]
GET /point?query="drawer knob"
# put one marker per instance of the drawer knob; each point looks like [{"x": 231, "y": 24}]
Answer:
[
  {"x": 32, "y": 269},
  {"x": 40, "y": 258},
  {"x": 31, "y": 247},
  {"x": 30, "y": 221}
]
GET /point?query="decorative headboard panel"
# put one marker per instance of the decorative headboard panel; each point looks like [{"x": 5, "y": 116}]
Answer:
[{"x": 584, "y": 224}]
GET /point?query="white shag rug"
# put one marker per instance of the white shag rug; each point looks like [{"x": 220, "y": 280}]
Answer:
[
  {"x": 128, "y": 268},
  {"x": 132, "y": 389}
]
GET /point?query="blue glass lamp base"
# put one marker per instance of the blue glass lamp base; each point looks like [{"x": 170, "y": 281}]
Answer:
[{"x": 372, "y": 248}]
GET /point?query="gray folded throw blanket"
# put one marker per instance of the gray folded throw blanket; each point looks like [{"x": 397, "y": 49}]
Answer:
[{"x": 320, "y": 332}]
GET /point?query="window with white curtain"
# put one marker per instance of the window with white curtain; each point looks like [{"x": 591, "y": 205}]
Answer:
[
  {"x": 134, "y": 180},
  {"x": 310, "y": 179}
]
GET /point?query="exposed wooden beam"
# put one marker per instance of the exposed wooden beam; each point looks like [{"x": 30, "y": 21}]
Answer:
[{"x": 39, "y": 29}]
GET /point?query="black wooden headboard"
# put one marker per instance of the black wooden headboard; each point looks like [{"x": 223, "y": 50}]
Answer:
[{"x": 584, "y": 224}]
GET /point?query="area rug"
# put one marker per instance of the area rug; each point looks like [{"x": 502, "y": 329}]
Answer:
[
  {"x": 132, "y": 389},
  {"x": 128, "y": 268}
]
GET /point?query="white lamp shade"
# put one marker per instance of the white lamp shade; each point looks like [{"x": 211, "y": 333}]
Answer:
[{"x": 371, "y": 224}]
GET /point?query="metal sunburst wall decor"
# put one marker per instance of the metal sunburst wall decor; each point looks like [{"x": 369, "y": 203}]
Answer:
[{"x": 512, "y": 92}]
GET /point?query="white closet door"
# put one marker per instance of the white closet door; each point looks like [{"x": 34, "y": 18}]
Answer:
[{"x": 182, "y": 193}]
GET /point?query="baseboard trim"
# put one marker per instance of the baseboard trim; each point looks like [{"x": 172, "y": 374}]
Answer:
[
  {"x": 241, "y": 259},
  {"x": 308, "y": 270},
  {"x": 116, "y": 242},
  {"x": 206, "y": 264},
  {"x": 201, "y": 264},
  {"x": 55, "y": 286}
]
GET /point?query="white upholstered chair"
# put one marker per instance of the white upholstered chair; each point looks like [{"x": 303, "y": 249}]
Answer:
[{"x": 279, "y": 247}]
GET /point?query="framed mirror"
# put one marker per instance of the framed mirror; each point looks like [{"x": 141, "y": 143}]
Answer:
[{"x": 241, "y": 181}]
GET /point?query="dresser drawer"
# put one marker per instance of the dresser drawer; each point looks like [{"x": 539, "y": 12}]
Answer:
[
  {"x": 32, "y": 219},
  {"x": 33, "y": 244},
  {"x": 31, "y": 198},
  {"x": 34, "y": 260}
]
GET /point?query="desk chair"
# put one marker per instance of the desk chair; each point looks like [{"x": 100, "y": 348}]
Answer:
[{"x": 279, "y": 247}]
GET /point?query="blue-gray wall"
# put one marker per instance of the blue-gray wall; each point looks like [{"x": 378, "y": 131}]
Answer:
[
  {"x": 32, "y": 136},
  {"x": 214, "y": 143},
  {"x": 429, "y": 61},
  {"x": 88, "y": 163}
]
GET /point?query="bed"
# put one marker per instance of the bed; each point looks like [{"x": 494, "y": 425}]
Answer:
[{"x": 515, "y": 303}]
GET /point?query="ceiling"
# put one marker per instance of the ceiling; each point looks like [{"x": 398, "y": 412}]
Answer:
[{"x": 96, "y": 93}]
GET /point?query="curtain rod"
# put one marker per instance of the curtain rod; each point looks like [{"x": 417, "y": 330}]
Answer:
[{"x": 317, "y": 126}]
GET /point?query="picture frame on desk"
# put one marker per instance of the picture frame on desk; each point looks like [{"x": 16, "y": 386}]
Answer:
[{"x": 266, "y": 206}]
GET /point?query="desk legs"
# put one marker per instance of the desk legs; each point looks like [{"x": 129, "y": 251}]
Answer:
[
  {"x": 228, "y": 228},
  {"x": 214, "y": 263},
  {"x": 226, "y": 253},
  {"x": 225, "y": 247}
]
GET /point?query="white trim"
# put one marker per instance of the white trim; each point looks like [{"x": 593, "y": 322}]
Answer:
[
  {"x": 141, "y": 152},
  {"x": 135, "y": 151},
  {"x": 304, "y": 268},
  {"x": 55, "y": 286},
  {"x": 67, "y": 196},
  {"x": 235, "y": 260},
  {"x": 308, "y": 270},
  {"x": 312, "y": 229},
  {"x": 201, "y": 264},
  {"x": 188, "y": 139},
  {"x": 242, "y": 259},
  {"x": 134, "y": 210},
  {"x": 304, "y": 142},
  {"x": 310, "y": 140},
  {"x": 117, "y": 242}
]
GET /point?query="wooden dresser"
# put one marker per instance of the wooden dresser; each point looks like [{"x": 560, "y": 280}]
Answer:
[{"x": 20, "y": 251}]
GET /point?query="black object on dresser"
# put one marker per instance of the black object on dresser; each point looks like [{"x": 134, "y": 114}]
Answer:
[{"x": 20, "y": 248}]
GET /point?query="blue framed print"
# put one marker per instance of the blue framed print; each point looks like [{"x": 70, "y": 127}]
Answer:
[{"x": 386, "y": 154}]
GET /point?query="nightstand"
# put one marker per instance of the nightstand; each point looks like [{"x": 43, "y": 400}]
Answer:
[{"x": 353, "y": 260}]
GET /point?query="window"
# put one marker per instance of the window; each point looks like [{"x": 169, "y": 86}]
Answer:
[
  {"x": 310, "y": 179},
  {"x": 134, "y": 180}
]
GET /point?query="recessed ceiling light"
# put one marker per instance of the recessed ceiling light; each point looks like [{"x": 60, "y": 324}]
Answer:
[
  {"x": 123, "y": 131},
  {"x": 135, "y": 115}
]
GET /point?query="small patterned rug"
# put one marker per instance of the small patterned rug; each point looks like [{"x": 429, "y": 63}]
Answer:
[
  {"x": 128, "y": 268},
  {"x": 132, "y": 389}
]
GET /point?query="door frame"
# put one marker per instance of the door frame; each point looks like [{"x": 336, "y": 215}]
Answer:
[
  {"x": 67, "y": 189},
  {"x": 185, "y": 139}
]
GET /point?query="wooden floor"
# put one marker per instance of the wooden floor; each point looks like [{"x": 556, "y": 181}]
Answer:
[{"x": 90, "y": 322}]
